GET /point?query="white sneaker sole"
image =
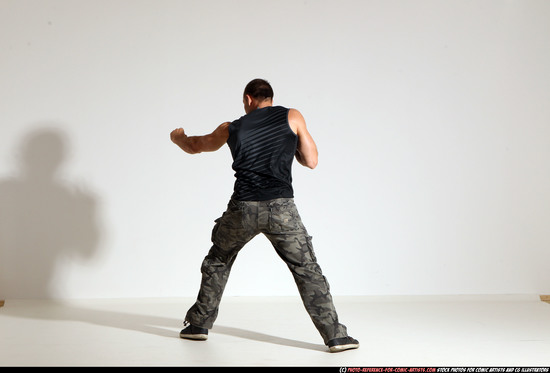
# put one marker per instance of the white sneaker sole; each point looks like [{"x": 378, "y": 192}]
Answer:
[
  {"x": 345, "y": 347},
  {"x": 195, "y": 337}
]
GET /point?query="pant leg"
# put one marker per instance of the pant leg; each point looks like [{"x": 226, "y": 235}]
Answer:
[
  {"x": 293, "y": 244},
  {"x": 231, "y": 232}
]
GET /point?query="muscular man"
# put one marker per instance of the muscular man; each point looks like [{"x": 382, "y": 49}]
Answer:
[{"x": 263, "y": 143}]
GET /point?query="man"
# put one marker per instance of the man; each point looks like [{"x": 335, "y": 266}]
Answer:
[{"x": 263, "y": 144}]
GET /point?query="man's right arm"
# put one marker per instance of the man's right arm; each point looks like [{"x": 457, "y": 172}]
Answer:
[
  {"x": 199, "y": 144},
  {"x": 306, "y": 152}
]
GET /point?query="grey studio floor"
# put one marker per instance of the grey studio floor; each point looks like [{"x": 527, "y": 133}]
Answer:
[{"x": 276, "y": 331}]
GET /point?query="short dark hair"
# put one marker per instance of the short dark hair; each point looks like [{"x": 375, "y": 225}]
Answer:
[{"x": 259, "y": 89}]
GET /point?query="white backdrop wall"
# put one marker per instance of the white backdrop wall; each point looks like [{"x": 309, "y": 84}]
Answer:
[{"x": 432, "y": 120}]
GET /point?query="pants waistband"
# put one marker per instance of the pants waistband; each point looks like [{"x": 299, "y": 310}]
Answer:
[{"x": 270, "y": 202}]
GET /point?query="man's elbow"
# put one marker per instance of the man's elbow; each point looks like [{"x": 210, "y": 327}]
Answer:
[
  {"x": 193, "y": 146},
  {"x": 311, "y": 163},
  {"x": 306, "y": 161},
  {"x": 191, "y": 151},
  {"x": 188, "y": 148}
]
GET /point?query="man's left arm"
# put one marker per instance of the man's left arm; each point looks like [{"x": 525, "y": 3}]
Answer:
[{"x": 199, "y": 144}]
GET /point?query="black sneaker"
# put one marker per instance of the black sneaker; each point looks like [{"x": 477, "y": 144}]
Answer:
[
  {"x": 342, "y": 344},
  {"x": 193, "y": 332}
]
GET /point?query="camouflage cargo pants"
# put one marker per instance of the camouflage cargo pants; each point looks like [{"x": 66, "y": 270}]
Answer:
[{"x": 280, "y": 222}]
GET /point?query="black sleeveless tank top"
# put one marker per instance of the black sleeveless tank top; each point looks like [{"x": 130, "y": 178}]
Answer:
[{"x": 263, "y": 147}]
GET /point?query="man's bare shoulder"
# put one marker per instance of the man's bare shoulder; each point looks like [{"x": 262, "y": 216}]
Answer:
[
  {"x": 296, "y": 120},
  {"x": 294, "y": 114}
]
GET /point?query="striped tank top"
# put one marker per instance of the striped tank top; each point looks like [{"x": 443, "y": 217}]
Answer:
[{"x": 263, "y": 147}]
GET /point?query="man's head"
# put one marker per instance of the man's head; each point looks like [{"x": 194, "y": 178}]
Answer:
[{"x": 257, "y": 93}]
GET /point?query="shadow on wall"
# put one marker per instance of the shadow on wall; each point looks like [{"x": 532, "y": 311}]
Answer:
[{"x": 42, "y": 218}]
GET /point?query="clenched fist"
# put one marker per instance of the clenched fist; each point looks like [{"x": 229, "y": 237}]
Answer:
[{"x": 177, "y": 134}]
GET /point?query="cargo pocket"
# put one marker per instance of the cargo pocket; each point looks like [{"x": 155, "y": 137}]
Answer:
[
  {"x": 228, "y": 232},
  {"x": 283, "y": 218},
  {"x": 309, "y": 244},
  {"x": 215, "y": 229}
]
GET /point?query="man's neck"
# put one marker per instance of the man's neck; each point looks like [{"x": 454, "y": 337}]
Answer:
[{"x": 265, "y": 103}]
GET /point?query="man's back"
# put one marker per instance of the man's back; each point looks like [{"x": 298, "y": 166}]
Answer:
[{"x": 263, "y": 146}]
